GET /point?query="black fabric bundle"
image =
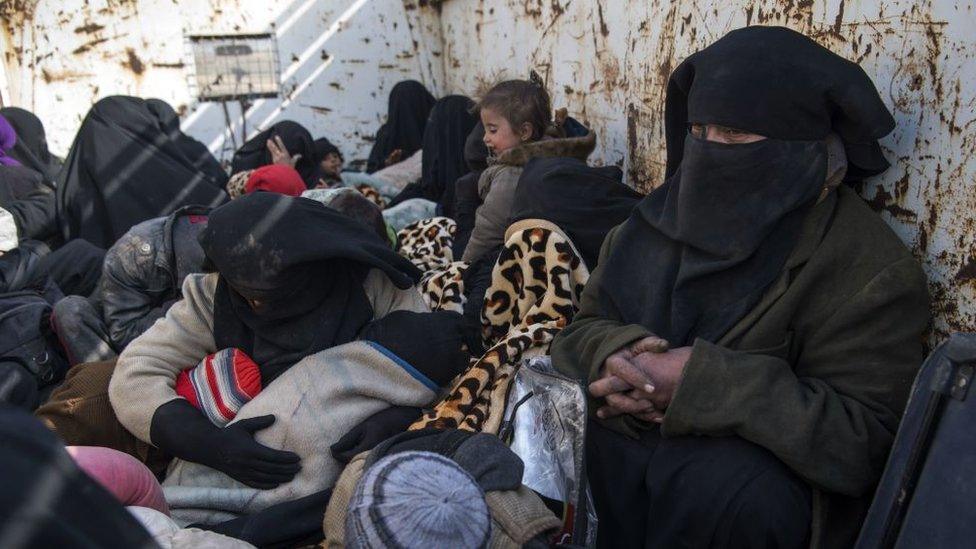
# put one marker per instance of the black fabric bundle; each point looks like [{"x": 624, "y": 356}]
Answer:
[
  {"x": 409, "y": 106},
  {"x": 297, "y": 140},
  {"x": 124, "y": 168},
  {"x": 699, "y": 251},
  {"x": 443, "y": 160},
  {"x": 585, "y": 202},
  {"x": 31, "y": 147},
  {"x": 302, "y": 266}
]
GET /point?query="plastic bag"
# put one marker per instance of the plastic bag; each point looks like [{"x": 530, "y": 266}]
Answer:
[{"x": 545, "y": 424}]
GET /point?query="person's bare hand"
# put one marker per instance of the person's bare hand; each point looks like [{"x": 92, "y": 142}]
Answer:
[
  {"x": 394, "y": 157},
  {"x": 280, "y": 154},
  {"x": 665, "y": 371},
  {"x": 649, "y": 344},
  {"x": 617, "y": 385}
]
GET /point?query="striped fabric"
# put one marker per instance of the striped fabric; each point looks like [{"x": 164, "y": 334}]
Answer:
[{"x": 221, "y": 384}]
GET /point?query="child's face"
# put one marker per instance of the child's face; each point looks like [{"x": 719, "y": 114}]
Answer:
[
  {"x": 331, "y": 164},
  {"x": 499, "y": 134}
]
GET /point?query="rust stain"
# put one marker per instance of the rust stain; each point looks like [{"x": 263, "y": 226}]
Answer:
[
  {"x": 177, "y": 65},
  {"x": 884, "y": 201},
  {"x": 133, "y": 63},
  {"x": 968, "y": 270},
  {"x": 89, "y": 28},
  {"x": 603, "y": 23},
  {"x": 88, "y": 46}
]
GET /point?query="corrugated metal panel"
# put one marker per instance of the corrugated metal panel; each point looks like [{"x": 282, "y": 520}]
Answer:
[
  {"x": 608, "y": 62},
  {"x": 339, "y": 60}
]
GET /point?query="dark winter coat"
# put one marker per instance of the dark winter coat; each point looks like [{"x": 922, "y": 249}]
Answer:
[
  {"x": 142, "y": 275},
  {"x": 818, "y": 373}
]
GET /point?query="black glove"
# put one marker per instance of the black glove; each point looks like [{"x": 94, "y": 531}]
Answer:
[
  {"x": 374, "y": 430},
  {"x": 181, "y": 430}
]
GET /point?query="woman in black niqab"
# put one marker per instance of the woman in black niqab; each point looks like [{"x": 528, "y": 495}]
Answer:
[
  {"x": 31, "y": 147},
  {"x": 291, "y": 277},
  {"x": 297, "y": 140},
  {"x": 406, "y": 118},
  {"x": 443, "y": 162},
  {"x": 124, "y": 168},
  {"x": 699, "y": 251}
]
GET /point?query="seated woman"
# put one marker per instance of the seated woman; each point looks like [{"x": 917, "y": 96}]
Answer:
[
  {"x": 402, "y": 134},
  {"x": 112, "y": 181},
  {"x": 142, "y": 275},
  {"x": 443, "y": 154},
  {"x": 26, "y": 191},
  {"x": 752, "y": 331},
  {"x": 31, "y": 147},
  {"x": 295, "y": 285}
]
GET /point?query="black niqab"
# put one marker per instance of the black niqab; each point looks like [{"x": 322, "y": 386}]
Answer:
[
  {"x": 254, "y": 154},
  {"x": 124, "y": 168},
  {"x": 786, "y": 86},
  {"x": 306, "y": 264},
  {"x": 584, "y": 201},
  {"x": 31, "y": 147},
  {"x": 698, "y": 252},
  {"x": 406, "y": 118}
]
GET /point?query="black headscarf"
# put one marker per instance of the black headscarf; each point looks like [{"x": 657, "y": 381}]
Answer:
[
  {"x": 306, "y": 263},
  {"x": 324, "y": 147},
  {"x": 699, "y": 251},
  {"x": 297, "y": 140},
  {"x": 406, "y": 118},
  {"x": 124, "y": 168},
  {"x": 585, "y": 202},
  {"x": 197, "y": 152},
  {"x": 443, "y": 161},
  {"x": 31, "y": 147}
]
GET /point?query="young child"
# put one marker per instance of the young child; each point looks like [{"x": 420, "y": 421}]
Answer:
[{"x": 518, "y": 122}]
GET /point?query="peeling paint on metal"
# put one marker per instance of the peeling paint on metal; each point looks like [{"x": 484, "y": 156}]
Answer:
[{"x": 63, "y": 55}]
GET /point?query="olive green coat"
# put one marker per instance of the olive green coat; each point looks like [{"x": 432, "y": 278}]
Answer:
[{"x": 818, "y": 373}]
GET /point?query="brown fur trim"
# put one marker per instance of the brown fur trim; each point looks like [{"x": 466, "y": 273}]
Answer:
[{"x": 570, "y": 147}]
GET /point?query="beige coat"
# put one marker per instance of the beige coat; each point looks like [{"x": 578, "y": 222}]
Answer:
[{"x": 145, "y": 375}]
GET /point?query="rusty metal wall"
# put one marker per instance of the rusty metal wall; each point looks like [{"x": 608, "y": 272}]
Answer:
[
  {"x": 339, "y": 59},
  {"x": 608, "y": 61}
]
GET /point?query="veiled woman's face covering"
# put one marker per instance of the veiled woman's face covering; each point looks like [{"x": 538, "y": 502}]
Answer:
[{"x": 700, "y": 251}]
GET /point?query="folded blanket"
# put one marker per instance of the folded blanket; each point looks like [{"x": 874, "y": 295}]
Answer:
[{"x": 315, "y": 402}]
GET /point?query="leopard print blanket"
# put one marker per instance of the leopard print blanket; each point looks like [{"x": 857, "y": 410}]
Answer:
[
  {"x": 427, "y": 243},
  {"x": 535, "y": 291}
]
